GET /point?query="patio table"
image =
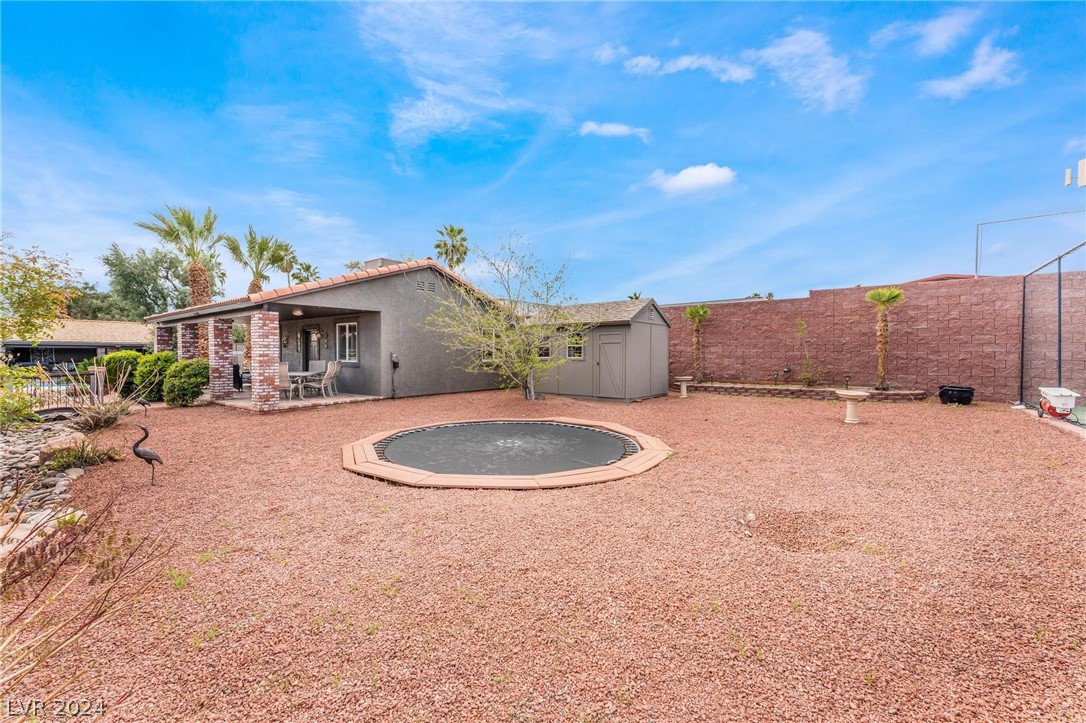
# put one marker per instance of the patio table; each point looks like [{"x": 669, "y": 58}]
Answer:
[{"x": 303, "y": 376}]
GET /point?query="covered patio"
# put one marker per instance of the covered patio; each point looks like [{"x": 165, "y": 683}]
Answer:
[{"x": 280, "y": 333}]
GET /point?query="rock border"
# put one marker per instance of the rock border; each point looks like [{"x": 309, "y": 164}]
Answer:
[
  {"x": 794, "y": 392},
  {"x": 361, "y": 458}
]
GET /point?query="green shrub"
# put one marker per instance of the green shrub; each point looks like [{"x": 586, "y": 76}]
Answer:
[
  {"x": 151, "y": 374},
  {"x": 121, "y": 367},
  {"x": 92, "y": 362},
  {"x": 16, "y": 402},
  {"x": 84, "y": 454},
  {"x": 185, "y": 382}
]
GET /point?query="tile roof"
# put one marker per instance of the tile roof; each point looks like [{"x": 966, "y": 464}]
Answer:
[
  {"x": 262, "y": 297},
  {"x": 96, "y": 331}
]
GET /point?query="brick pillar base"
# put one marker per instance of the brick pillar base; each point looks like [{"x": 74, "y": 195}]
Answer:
[
  {"x": 220, "y": 344},
  {"x": 186, "y": 341},
  {"x": 163, "y": 338},
  {"x": 264, "y": 367}
]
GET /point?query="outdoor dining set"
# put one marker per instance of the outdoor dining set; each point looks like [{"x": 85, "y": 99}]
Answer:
[{"x": 321, "y": 375}]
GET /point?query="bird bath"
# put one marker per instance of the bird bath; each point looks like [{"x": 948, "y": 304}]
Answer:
[
  {"x": 852, "y": 404},
  {"x": 682, "y": 385}
]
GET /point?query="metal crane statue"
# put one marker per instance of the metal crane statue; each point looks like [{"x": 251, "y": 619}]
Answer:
[
  {"x": 147, "y": 455},
  {"x": 143, "y": 403}
]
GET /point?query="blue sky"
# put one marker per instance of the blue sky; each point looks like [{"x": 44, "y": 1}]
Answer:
[{"x": 687, "y": 151}]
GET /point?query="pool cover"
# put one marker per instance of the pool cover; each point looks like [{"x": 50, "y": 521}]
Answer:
[{"x": 505, "y": 448}]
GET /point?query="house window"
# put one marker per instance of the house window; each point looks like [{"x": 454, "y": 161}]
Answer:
[
  {"x": 575, "y": 347},
  {"x": 347, "y": 342},
  {"x": 544, "y": 352}
]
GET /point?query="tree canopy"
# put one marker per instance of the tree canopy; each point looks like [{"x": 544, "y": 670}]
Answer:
[
  {"x": 35, "y": 289},
  {"x": 512, "y": 331}
]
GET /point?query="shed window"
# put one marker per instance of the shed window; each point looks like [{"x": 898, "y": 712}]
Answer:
[
  {"x": 544, "y": 352},
  {"x": 575, "y": 351},
  {"x": 347, "y": 342}
]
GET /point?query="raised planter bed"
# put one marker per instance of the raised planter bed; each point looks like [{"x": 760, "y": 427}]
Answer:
[{"x": 797, "y": 392}]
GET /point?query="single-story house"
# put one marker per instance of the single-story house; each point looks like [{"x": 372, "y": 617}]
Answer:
[
  {"x": 74, "y": 340},
  {"x": 373, "y": 321},
  {"x": 624, "y": 355}
]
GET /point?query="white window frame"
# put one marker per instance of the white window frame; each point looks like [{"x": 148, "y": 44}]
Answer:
[
  {"x": 571, "y": 356},
  {"x": 546, "y": 348},
  {"x": 340, "y": 352}
]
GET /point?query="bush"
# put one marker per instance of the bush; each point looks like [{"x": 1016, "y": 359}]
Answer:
[
  {"x": 87, "y": 363},
  {"x": 85, "y": 454},
  {"x": 151, "y": 374},
  {"x": 185, "y": 382},
  {"x": 17, "y": 404},
  {"x": 121, "y": 370}
]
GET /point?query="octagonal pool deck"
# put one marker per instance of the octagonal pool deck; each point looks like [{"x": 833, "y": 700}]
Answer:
[{"x": 362, "y": 458}]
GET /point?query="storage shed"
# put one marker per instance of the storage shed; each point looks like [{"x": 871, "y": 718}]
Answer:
[{"x": 623, "y": 357}]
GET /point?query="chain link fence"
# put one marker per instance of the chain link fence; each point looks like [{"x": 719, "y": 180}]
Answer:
[{"x": 1053, "y": 343}]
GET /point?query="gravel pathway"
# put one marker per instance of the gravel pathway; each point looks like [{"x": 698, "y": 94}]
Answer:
[{"x": 926, "y": 564}]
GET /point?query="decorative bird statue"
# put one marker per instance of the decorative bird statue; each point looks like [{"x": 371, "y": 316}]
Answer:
[
  {"x": 143, "y": 403},
  {"x": 147, "y": 455}
]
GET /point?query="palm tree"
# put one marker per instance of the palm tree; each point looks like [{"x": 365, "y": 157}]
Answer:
[
  {"x": 195, "y": 240},
  {"x": 697, "y": 314},
  {"x": 287, "y": 264},
  {"x": 634, "y": 295},
  {"x": 260, "y": 255},
  {"x": 451, "y": 246},
  {"x": 883, "y": 299},
  {"x": 354, "y": 266},
  {"x": 304, "y": 272}
]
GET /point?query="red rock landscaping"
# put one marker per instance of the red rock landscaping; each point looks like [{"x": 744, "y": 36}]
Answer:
[{"x": 782, "y": 565}]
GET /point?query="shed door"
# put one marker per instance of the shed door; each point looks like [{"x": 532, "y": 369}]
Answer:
[{"x": 611, "y": 366}]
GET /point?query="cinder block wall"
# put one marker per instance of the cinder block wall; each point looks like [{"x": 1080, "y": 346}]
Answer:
[{"x": 958, "y": 331}]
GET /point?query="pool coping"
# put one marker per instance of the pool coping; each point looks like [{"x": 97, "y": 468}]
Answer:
[{"x": 361, "y": 458}]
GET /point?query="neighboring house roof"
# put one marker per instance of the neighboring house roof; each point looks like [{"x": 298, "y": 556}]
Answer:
[
  {"x": 608, "y": 312},
  {"x": 942, "y": 277},
  {"x": 96, "y": 332},
  {"x": 262, "y": 297}
]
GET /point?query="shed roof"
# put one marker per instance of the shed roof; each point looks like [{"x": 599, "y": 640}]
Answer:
[{"x": 608, "y": 312}]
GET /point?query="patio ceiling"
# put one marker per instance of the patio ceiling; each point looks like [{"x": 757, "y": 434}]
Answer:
[{"x": 239, "y": 312}]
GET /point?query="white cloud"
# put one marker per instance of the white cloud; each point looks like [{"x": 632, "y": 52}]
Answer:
[
  {"x": 608, "y": 53},
  {"x": 291, "y": 135},
  {"x": 452, "y": 54},
  {"x": 1075, "y": 145},
  {"x": 805, "y": 62},
  {"x": 935, "y": 36},
  {"x": 691, "y": 179},
  {"x": 991, "y": 67},
  {"x": 614, "y": 130},
  {"x": 723, "y": 70}
]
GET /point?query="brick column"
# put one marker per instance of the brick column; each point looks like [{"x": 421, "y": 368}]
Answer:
[
  {"x": 264, "y": 367},
  {"x": 186, "y": 341},
  {"x": 219, "y": 348},
  {"x": 163, "y": 338}
]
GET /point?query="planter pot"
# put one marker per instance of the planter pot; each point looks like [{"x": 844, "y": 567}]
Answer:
[{"x": 953, "y": 394}]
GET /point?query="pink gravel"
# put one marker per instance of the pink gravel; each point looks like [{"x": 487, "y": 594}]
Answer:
[{"x": 782, "y": 565}]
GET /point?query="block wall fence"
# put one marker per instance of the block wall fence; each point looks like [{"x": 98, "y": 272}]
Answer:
[{"x": 952, "y": 331}]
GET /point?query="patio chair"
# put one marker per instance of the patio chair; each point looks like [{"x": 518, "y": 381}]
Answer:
[
  {"x": 318, "y": 365},
  {"x": 335, "y": 376},
  {"x": 285, "y": 382},
  {"x": 324, "y": 383}
]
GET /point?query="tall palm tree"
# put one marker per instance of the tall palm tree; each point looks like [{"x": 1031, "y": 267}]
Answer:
[
  {"x": 452, "y": 246},
  {"x": 195, "y": 240},
  {"x": 883, "y": 299},
  {"x": 287, "y": 264},
  {"x": 354, "y": 266},
  {"x": 304, "y": 272},
  {"x": 697, "y": 314},
  {"x": 635, "y": 295},
  {"x": 260, "y": 255}
]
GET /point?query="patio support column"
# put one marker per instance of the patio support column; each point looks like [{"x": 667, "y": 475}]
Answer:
[
  {"x": 186, "y": 341},
  {"x": 163, "y": 338},
  {"x": 264, "y": 366},
  {"x": 219, "y": 347}
]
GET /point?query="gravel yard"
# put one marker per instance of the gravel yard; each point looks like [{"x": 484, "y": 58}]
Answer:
[{"x": 782, "y": 565}]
